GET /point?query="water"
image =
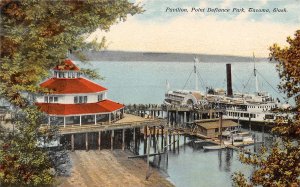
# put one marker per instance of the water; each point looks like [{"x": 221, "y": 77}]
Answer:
[
  {"x": 145, "y": 82},
  {"x": 192, "y": 166}
]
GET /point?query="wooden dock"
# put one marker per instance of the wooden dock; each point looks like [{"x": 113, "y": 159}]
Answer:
[{"x": 128, "y": 122}]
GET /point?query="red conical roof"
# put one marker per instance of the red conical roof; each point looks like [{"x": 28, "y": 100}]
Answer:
[
  {"x": 67, "y": 65},
  {"x": 104, "y": 106},
  {"x": 72, "y": 86}
]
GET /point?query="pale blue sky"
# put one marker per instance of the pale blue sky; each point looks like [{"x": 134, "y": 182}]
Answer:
[
  {"x": 155, "y": 9},
  {"x": 211, "y": 33}
]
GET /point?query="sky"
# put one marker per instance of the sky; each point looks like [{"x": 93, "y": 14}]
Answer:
[{"x": 230, "y": 33}]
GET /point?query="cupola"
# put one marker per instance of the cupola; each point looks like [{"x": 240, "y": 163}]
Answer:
[{"x": 66, "y": 70}]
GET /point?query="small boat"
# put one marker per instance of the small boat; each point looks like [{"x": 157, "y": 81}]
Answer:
[
  {"x": 201, "y": 141},
  {"x": 214, "y": 147},
  {"x": 240, "y": 139}
]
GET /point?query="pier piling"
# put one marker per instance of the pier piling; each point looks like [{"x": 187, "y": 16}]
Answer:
[
  {"x": 123, "y": 139},
  {"x": 99, "y": 140},
  {"x": 72, "y": 142},
  {"x": 86, "y": 142},
  {"x": 112, "y": 140}
]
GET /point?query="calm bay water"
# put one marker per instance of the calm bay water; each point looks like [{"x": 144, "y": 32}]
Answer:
[{"x": 145, "y": 82}]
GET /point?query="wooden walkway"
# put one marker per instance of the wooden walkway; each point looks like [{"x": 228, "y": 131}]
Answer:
[{"x": 129, "y": 121}]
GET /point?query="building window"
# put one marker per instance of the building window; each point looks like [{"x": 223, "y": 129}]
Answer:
[
  {"x": 80, "y": 99},
  {"x": 76, "y": 99},
  {"x": 100, "y": 97},
  {"x": 51, "y": 99},
  {"x": 61, "y": 75}
]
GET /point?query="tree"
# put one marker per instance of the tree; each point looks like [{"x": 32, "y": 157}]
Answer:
[
  {"x": 22, "y": 162},
  {"x": 37, "y": 35},
  {"x": 280, "y": 165}
]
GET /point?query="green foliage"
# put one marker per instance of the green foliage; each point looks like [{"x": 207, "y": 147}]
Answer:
[
  {"x": 280, "y": 165},
  {"x": 22, "y": 162}
]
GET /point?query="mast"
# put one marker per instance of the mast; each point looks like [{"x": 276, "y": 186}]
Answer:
[
  {"x": 255, "y": 75},
  {"x": 167, "y": 86},
  {"x": 195, "y": 72}
]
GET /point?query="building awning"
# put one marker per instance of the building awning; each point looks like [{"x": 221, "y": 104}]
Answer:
[
  {"x": 71, "y": 86},
  {"x": 216, "y": 124},
  {"x": 105, "y": 106}
]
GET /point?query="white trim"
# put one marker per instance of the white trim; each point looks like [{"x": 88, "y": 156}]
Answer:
[
  {"x": 83, "y": 114},
  {"x": 76, "y": 94}
]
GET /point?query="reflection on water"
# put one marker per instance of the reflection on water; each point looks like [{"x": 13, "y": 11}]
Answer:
[{"x": 191, "y": 166}]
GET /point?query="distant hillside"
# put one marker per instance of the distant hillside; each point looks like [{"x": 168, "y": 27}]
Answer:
[{"x": 163, "y": 57}]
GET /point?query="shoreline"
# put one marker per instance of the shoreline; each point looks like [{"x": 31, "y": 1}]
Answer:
[
  {"x": 110, "y": 168},
  {"x": 130, "y": 56}
]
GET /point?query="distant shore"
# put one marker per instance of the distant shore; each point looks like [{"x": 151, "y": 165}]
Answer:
[
  {"x": 119, "y": 56},
  {"x": 110, "y": 168}
]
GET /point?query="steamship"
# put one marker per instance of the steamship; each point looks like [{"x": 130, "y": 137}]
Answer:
[{"x": 256, "y": 107}]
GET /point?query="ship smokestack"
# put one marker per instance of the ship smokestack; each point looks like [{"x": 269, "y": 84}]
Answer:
[{"x": 229, "y": 81}]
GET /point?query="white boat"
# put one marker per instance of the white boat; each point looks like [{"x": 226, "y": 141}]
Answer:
[
  {"x": 214, "y": 147},
  {"x": 256, "y": 107},
  {"x": 239, "y": 139}
]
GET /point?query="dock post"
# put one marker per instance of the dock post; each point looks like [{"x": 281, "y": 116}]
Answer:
[
  {"x": 170, "y": 140},
  {"x": 178, "y": 141},
  {"x": 99, "y": 140},
  {"x": 174, "y": 143},
  {"x": 166, "y": 141},
  {"x": 176, "y": 118},
  {"x": 134, "y": 143},
  {"x": 154, "y": 138},
  {"x": 148, "y": 161},
  {"x": 145, "y": 139},
  {"x": 86, "y": 142},
  {"x": 162, "y": 136},
  {"x": 221, "y": 127},
  {"x": 112, "y": 140},
  {"x": 123, "y": 139},
  {"x": 157, "y": 137},
  {"x": 72, "y": 142}
]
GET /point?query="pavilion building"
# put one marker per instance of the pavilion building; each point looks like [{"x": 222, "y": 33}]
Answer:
[{"x": 75, "y": 100}]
